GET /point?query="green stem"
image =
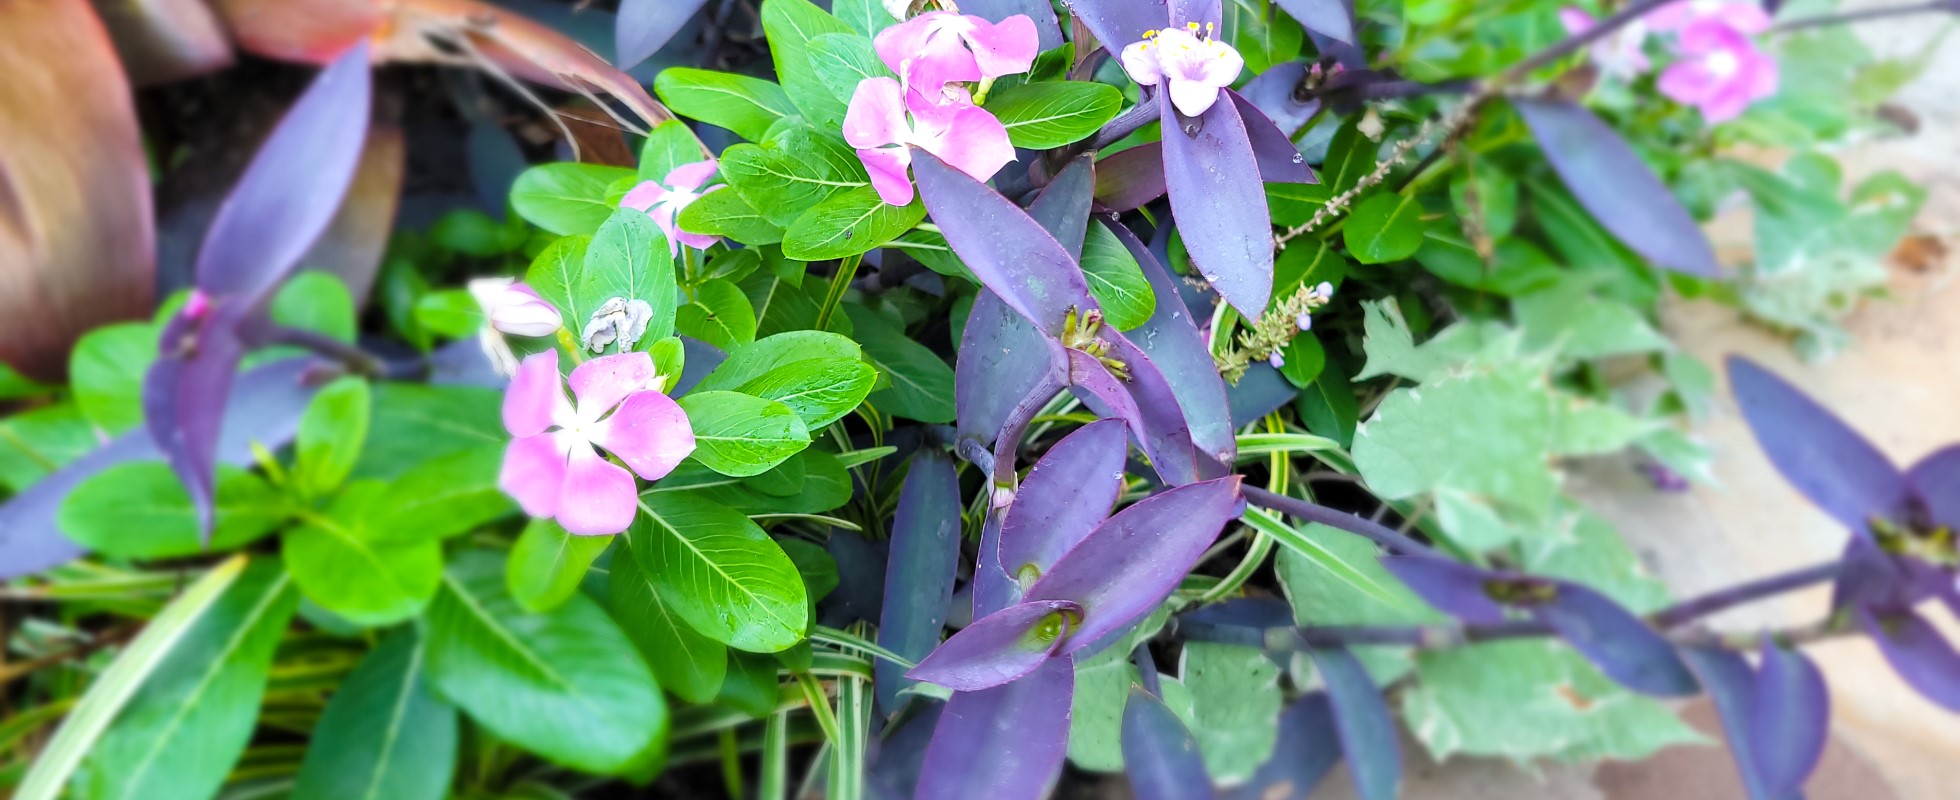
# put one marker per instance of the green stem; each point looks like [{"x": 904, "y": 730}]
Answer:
[{"x": 839, "y": 284}]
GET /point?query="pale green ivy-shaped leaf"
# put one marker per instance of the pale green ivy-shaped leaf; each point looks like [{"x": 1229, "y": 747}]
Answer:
[
  {"x": 867, "y": 16},
  {"x": 1116, "y": 280},
  {"x": 1584, "y": 547},
  {"x": 1320, "y": 597},
  {"x": 1682, "y": 453},
  {"x": 1229, "y": 697},
  {"x": 1392, "y": 350},
  {"x": 690, "y": 665},
  {"x": 1587, "y": 427},
  {"x": 1488, "y": 431},
  {"x": 384, "y": 735},
  {"x": 719, "y": 571},
  {"x": 547, "y": 563},
  {"x": 719, "y": 314},
  {"x": 1693, "y": 382},
  {"x": 742, "y": 435},
  {"x": 1478, "y": 525},
  {"x": 1568, "y": 320},
  {"x": 1102, "y": 687},
  {"x": 1531, "y": 699}
]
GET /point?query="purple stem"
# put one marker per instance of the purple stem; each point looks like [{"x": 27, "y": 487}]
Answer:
[
  {"x": 1571, "y": 44},
  {"x": 1950, "y": 6},
  {"x": 354, "y": 359},
  {"x": 1372, "y": 531},
  {"x": 1126, "y": 123},
  {"x": 1722, "y": 600},
  {"x": 1009, "y": 443}
]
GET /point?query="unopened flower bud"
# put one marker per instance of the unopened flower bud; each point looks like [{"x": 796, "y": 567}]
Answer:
[
  {"x": 198, "y": 305},
  {"x": 514, "y": 308},
  {"x": 1304, "y": 321},
  {"x": 1275, "y": 359}
]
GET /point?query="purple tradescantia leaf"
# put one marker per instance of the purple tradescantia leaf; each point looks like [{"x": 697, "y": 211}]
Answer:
[
  {"x": 1130, "y": 179},
  {"x": 1935, "y": 483},
  {"x": 184, "y": 396},
  {"x": 1203, "y": 12},
  {"x": 1917, "y": 652},
  {"x": 1219, "y": 202},
  {"x": 1004, "y": 742},
  {"x": 265, "y": 407},
  {"x": 1620, "y": 644},
  {"x": 999, "y": 647},
  {"x": 1062, "y": 208},
  {"x": 1003, "y": 360},
  {"x": 1043, "y": 14},
  {"x": 1260, "y": 391},
  {"x": 1133, "y": 561},
  {"x": 1455, "y": 589},
  {"x": 1611, "y": 181},
  {"x": 1817, "y": 453},
  {"x": 1172, "y": 341},
  {"x": 644, "y": 26},
  {"x": 993, "y": 589},
  {"x": 897, "y": 755},
  {"x": 1361, "y": 720},
  {"x": 1166, "y": 437},
  {"x": 1102, "y": 391},
  {"x": 1275, "y": 93},
  {"x": 1065, "y": 496},
  {"x": 1006, "y": 249},
  {"x": 1116, "y": 23},
  {"x": 1789, "y": 721},
  {"x": 1307, "y": 749},
  {"x": 1731, "y": 684},
  {"x": 1330, "y": 18},
  {"x": 1159, "y": 753},
  {"x": 1258, "y": 613},
  {"x": 1279, "y": 161},
  {"x": 920, "y": 569}
]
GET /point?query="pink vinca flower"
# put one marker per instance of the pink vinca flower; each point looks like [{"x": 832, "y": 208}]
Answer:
[
  {"x": 552, "y": 468},
  {"x": 514, "y": 308},
  {"x": 1194, "y": 65},
  {"x": 664, "y": 199},
  {"x": 1620, "y": 54},
  {"x": 1741, "y": 16},
  {"x": 1720, "y": 72},
  {"x": 885, "y": 120},
  {"x": 941, "y": 47}
]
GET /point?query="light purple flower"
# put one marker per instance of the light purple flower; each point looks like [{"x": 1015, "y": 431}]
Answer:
[
  {"x": 664, "y": 199},
  {"x": 1720, "y": 72},
  {"x": 885, "y": 120},
  {"x": 1276, "y": 359},
  {"x": 514, "y": 308},
  {"x": 941, "y": 47},
  {"x": 552, "y": 469},
  {"x": 1194, "y": 65},
  {"x": 1742, "y": 16},
  {"x": 1620, "y": 54}
]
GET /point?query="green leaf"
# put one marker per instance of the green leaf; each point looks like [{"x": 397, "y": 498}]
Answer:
[
  {"x": 790, "y": 26},
  {"x": 751, "y": 686},
  {"x": 628, "y": 259},
  {"x": 849, "y": 223},
  {"x": 1386, "y": 227},
  {"x": 443, "y": 496},
  {"x": 1587, "y": 247},
  {"x": 38, "y": 442},
  {"x": 318, "y": 302},
  {"x": 1320, "y": 583},
  {"x": 1528, "y": 699},
  {"x": 185, "y": 729},
  {"x": 747, "y": 106},
  {"x": 383, "y": 736},
  {"x": 140, "y": 510},
  {"x": 841, "y": 60},
  {"x": 688, "y": 664},
  {"x": 868, "y": 16},
  {"x": 547, "y": 563},
  {"x": 1392, "y": 350},
  {"x": 728, "y": 213},
  {"x": 339, "y": 561},
  {"x": 112, "y": 690},
  {"x": 1328, "y": 406},
  {"x": 742, "y": 435},
  {"x": 670, "y": 144},
  {"x": 1515, "y": 267},
  {"x": 106, "y": 372},
  {"x": 1229, "y": 696},
  {"x": 1570, "y": 320},
  {"x": 921, "y": 384},
  {"x": 557, "y": 274},
  {"x": 821, "y": 391},
  {"x": 1584, "y": 547},
  {"x": 792, "y": 171},
  {"x": 1102, "y": 686},
  {"x": 453, "y": 313},
  {"x": 1116, "y": 280},
  {"x": 719, "y": 314},
  {"x": 768, "y": 354},
  {"x": 566, "y": 199},
  {"x": 1039, "y": 116},
  {"x": 566, "y": 684},
  {"x": 1352, "y": 568},
  {"x": 331, "y": 434},
  {"x": 720, "y": 572},
  {"x": 1486, "y": 431},
  {"x": 815, "y": 564}
]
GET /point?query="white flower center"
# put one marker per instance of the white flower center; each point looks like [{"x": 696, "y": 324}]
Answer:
[{"x": 1723, "y": 64}]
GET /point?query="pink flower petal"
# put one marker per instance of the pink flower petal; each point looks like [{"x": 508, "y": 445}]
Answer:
[
  {"x": 1687, "y": 82},
  {"x": 535, "y": 400},
  {"x": 605, "y": 381},
  {"x": 887, "y": 166},
  {"x": 876, "y": 116},
  {"x": 907, "y": 39},
  {"x": 643, "y": 196},
  {"x": 1575, "y": 20},
  {"x": 689, "y": 177},
  {"x": 649, "y": 432},
  {"x": 929, "y": 50},
  {"x": 698, "y": 241},
  {"x": 1743, "y": 17},
  {"x": 599, "y": 497},
  {"x": 1006, "y": 48},
  {"x": 534, "y": 472},
  {"x": 974, "y": 143},
  {"x": 663, "y": 217}
]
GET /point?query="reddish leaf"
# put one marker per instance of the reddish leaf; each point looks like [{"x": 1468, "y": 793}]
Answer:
[
  {"x": 919, "y": 572},
  {"x": 1175, "y": 346},
  {"x": 1003, "y": 360},
  {"x": 1276, "y": 93},
  {"x": 1117, "y": 23},
  {"x": 1130, "y": 178},
  {"x": 1839, "y": 470},
  {"x": 1731, "y": 684},
  {"x": 1620, "y": 644},
  {"x": 1917, "y": 652},
  {"x": 1361, "y": 720},
  {"x": 1279, "y": 160},
  {"x": 1308, "y": 748},
  {"x": 1789, "y": 721},
  {"x": 161, "y": 41},
  {"x": 1453, "y": 588}
]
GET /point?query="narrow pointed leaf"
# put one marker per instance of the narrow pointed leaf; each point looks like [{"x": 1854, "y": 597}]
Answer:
[
  {"x": 1790, "y": 720},
  {"x": 1003, "y": 359},
  {"x": 1279, "y": 160},
  {"x": 384, "y": 735},
  {"x": 1839, "y": 470},
  {"x": 184, "y": 394},
  {"x": 1917, "y": 652},
  {"x": 1275, "y": 92},
  {"x": 1620, "y": 644},
  {"x": 1203, "y": 12},
  {"x": 1133, "y": 561},
  {"x": 1361, "y": 719},
  {"x": 644, "y": 26},
  {"x": 1117, "y": 23},
  {"x": 1065, "y": 496},
  {"x": 920, "y": 569},
  {"x": 1175, "y": 346},
  {"x": 1611, "y": 181},
  {"x": 999, "y": 647},
  {"x": 1213, "y": 177},
  {"x": 1453, "y": 588},
  {"x": 1164, "y": 434},
  {"x": 1731, "y": 685},
  {"x": 1308, "y": 748},
  {"x": 1004, "y": 742},
  {"x": 1935, "y": 481},
  {"x": 1062, "y": 208},
  {"x": 1159, "y": 753},
  {"x": 1006, "y": 249},
  {"x": 1330, "y": 18}
]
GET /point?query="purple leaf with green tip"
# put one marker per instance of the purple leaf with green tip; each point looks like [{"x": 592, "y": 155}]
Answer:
[
  {"x": 1130, "y": 178},
  {"x": 1453, "y": 588},
  {"x": 1817, "y": 453},
  {"x": 644, "y": 26},
  {"x": 1213, "y": 177},
  {"x": 1620, "y": 644},
  {"x": 920, "y": 569},
  {"x": 1622, "y": 193},
  {"x": 1276, "y": 94},
  {"x": 1935, "y": 482},
  {"x": 1006, "y": 249},
  {"x": 1172, "y": 341},
  {"x": 1159, "y": 753},
  {"x": 1062, "y": 208},
  {"x": 1134, "y": 559},
  {"x": 1330, "y": 18},
  {"x": 1361, "y": 720},
  {"x": 1004, "y": 742},
  {"x": 1043, "y": 14},
  {"x": 999, "y": 647},
  {"x": 1003, "y": 360},
  {"x": 1307, "y": 749},
  {"x": 1279, "y": 161},
  {"x": 1065, "y": 496},
  {"x": 1116, "y": 23},
  {"x": 1789, "y": 721},
  {"x": 1917, "y": 652},
  {"x": 1731, "y": 684}
]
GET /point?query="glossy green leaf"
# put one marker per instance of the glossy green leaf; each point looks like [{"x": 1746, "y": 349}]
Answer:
[
  {"x": 566, "y": 199},
  {"x": 628, "y": 259},
  {"x": 790, "y": 26},
  {"x": 331, "y": 434},
  {"x": 340, "y": 562},
  {"x": 821, "y": 391},
  {"x": 849, "y": 223},
  {"x": 106, "y": 373},
  {"x": 1383, "y": 228},
  {"x": 842, "y": 60},
  {"x": 690, "y": 665},
  {"x": 921, "y": 385},
  {"x": 742, "y": 435},
  {"x": 140, "y": 510},
  {"x": 728, "y": 213},
  {"x": 547, "y": 564},
  {"x": 384, "y": 735},
  {"x": 1039, "y": 116},
  {"x": 414, "y": 422},
  {"x": 792, "y": 171},
  {"x": 670, "y": 144},
  {"x": 719, "y": 314},
  {"x": 444, "y": 496},
  {"x": 773, "y": 352},
  {"x": 745, "y": 105},
  {"x": 719, "y": 571},
  {"x": 1116, "y": 280}
]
